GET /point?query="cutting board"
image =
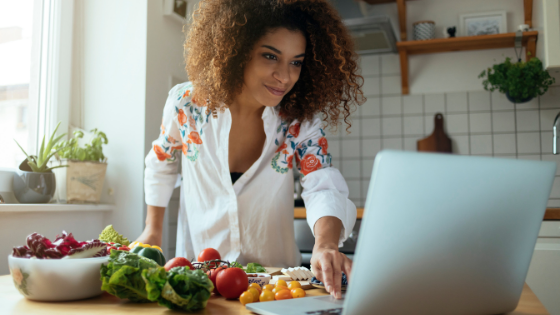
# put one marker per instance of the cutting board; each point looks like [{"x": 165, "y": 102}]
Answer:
[{"x": 438, "y": 141}]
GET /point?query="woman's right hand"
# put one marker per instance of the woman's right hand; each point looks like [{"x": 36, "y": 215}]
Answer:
[
  {"x": 151, "y": 236},
  {"x": 154, "y": 226}
]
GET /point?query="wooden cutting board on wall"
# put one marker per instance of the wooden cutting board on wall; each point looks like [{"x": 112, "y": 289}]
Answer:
[{"x": 438, "y": 141}]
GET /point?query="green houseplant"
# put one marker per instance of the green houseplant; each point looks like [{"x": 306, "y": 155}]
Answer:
[
  {"x": 520, "y": 81},
  {"x": 82, "y": 181},
  {"x": 34, "y": 181}
]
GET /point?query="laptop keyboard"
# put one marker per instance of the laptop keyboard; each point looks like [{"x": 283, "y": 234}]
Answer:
[{"x": 326, "y": 312}]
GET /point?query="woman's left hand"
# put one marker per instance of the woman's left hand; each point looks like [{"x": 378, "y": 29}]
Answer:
[{"x": 327, "y": 263}]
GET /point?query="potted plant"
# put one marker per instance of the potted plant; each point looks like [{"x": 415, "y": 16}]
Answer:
[
  {"x": 521, "y": 81},
  {"x": 82, "y": 181},
  {"x": 34, "y": 181}
]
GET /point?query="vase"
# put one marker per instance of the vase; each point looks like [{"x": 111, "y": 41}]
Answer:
[
  {"x": 80, "y": 181},
  {"x": 523, "y": 100},
  {"x": 32, "y": 187}
]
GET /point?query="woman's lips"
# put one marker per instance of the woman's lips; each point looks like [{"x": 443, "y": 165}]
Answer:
[{"x": 275, "y": 91}]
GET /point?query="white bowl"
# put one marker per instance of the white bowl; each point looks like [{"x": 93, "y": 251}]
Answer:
[
  {"x": 57, "y": 279},
  {"x": 259, "y": 280}
]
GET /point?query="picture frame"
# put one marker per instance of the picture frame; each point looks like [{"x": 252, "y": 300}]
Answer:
[
  {"x": 485, "y": 23},
  {"x": 176, "y": 9}
]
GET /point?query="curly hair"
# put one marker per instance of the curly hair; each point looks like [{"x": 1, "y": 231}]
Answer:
[{"x": 221, "y": 37}]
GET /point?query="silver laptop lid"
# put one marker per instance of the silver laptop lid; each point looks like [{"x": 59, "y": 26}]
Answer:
[{"x": 447, "y": 234}]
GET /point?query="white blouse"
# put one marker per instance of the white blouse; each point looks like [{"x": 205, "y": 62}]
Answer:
[{"x": 251, "y": 220}]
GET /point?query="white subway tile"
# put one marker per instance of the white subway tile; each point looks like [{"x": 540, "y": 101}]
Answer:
[
  {"x": 547, "y": 119},
  {"x": 503, "y": 121},
  {"x": 413, "y": 125},
  {"x": 553, "y": 203},
  {"x": 434, "y": 103},
  {"x": 392, "y": 143},
  {"x": 504, "y": 143},
  {"x": 369, "y": 65},
  {"x": 429, "y": 124},
  {"x": 372, "y": 107},
  {"x": 457, "y": 102},
  {"x": 555, "y": 193},
  {"x": 391, "y": 105},
  {"x": 365, "y": 187},
  {"x": 350, "y": 148},
  {"x": 546, "y": 142},
  {"x": 551, "y": 99},
  {"x": 371, "y": 86},
  {"x": 354, "y": 189},
  {"x": 336, "y": 163},
  {"x": 391, "y": 85},
  {"x": 460, "y": 145},
  {"x": 479, "y": 100},
  {"x": 456, "y": 123},
  {"x": 500, "y": 101},
  {"x": 480, "y": 122},
  {"x": 531, "y": 157},
  {"x": 334, "y": 148},
  {"x": 410, "y": 143},
  {"x": 370, "y": 147},
  {"x": 371, "y": 127},
  {"x": 532, "y": 104},
  {"x": 413, "y": 104},
  {"x": 528, "y": 120},
  {"x": 351, "y": 168},
  {"x": 481, "y": 144},
  {"x": 391, "y": 126},
  {"x": 528, "y": 143},
  {"x": 367, "y": 168},
  {"x": 390, "y": 64}
]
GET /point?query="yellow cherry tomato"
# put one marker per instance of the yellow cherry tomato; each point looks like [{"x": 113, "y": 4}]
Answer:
[
  {"x": 255, "y": 294},
  {"x": 279, "y": 288},
  {"x": 294, "y": 285},
  {"x": 268, "y": 287},
  {"x": 283, "y": 295},
  {"x": 297, "y": 293},
  {"x": 281, "y": 282},
  {"x": 256, "y": 286},
  {"x": 266, "y": 295},
  {"x": 246, "y": 297}
]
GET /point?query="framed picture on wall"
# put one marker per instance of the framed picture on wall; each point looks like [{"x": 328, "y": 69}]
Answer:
[
  {"x": 487, "y": 23},
  {"x": 176, "y": 9}
]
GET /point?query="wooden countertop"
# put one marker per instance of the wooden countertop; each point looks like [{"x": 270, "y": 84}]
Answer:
[
  {"x": 550, "y": 214},
  {"x": 12, "y": 302}
]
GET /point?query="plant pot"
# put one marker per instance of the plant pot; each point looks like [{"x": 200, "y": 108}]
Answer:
[
  {"x": 523, "y": 100},
  {"x": 80, "y": 182},
  {"x": 31, "y": 187}
]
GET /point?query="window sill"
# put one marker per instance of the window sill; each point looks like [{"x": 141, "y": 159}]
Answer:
[{"x": 54, "y": 207}]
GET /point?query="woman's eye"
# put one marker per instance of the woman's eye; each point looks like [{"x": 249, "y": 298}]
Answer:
[
  {"x": 269, "y": 56},
  {"x": 298, "y": 63}
]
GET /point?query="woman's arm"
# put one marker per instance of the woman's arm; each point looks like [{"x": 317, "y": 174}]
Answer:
[
  {"x": 326, "y": 261},
  {"x": 154, "y": 226}
]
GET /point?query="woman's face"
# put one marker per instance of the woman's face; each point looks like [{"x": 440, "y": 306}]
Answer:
[{"x": 274, "y": 67}]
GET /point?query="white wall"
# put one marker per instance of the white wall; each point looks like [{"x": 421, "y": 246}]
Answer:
[{"x": 110, "y": 94}]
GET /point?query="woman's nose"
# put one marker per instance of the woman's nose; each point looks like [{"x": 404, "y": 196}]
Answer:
[{"x": 282, "y": 74}]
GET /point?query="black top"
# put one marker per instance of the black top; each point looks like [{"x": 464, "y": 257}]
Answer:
[{"x": 234, "y": 177}]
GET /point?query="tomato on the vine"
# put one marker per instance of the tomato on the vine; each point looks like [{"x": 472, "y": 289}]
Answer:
[
  {"x": 208, "y": 254},
  {"x": 231, "y": 282},
  {"x": 212, "y": 274}
]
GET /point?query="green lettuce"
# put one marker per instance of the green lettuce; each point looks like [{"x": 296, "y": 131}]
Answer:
[
  {"x": 254, "y": 268},
  {"x": 184, "y": 289},
  {"x": 122, "y": 276}
]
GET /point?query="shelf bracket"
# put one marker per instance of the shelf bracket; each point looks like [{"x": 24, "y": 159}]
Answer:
[
  {"x": 528, "y": 11},
  {"x": 403, "y": 55}
]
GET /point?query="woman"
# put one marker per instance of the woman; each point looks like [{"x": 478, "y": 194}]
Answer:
[{"x": 266, "y": 77}]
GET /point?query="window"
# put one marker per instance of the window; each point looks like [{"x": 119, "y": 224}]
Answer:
[
  {"x": 35, "y": 59},
  {"x": 16, "y": 36}
]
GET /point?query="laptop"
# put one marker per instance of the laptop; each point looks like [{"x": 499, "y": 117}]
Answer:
[{"x": 441, "y": 234}]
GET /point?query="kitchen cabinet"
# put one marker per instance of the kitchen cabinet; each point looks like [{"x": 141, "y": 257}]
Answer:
[{"x": 544, "y": 271}]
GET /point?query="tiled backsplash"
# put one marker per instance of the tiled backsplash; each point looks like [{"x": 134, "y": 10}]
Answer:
[{"x": 478, "y": 122}]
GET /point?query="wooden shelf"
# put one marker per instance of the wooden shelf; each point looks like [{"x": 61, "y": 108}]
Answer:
[
  {"x": 466, "y": 43},
  {"x": 405, "y": 48}
]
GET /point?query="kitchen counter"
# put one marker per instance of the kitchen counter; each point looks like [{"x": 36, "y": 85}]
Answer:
[
  {"x": 14, "y": 303},
  {"x": 550, "y": 214}
]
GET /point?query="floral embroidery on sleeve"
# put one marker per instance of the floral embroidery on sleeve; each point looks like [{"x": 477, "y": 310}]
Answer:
[
  {"x": 310, "y": 154},
  {"x": 191, "y": 118}
]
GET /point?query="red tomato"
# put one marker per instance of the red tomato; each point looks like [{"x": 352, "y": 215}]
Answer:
[
  {"x": 208, "y": 254},
  {"x": 231, "y": 282},
  {"x": 178, "y": 262},
  {"x": 212, "y": 273}
]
